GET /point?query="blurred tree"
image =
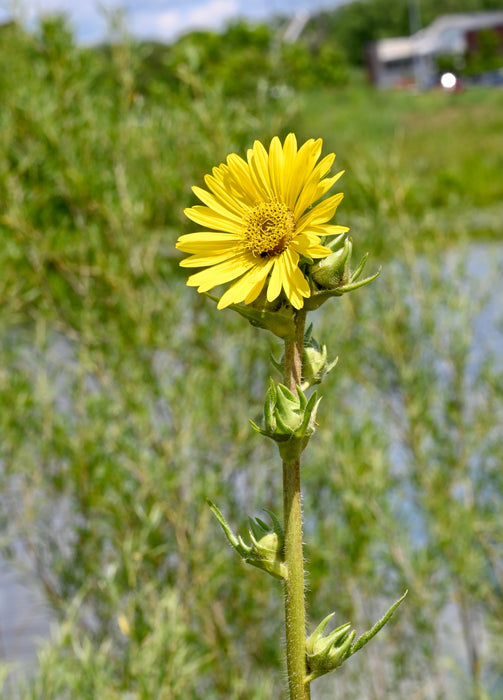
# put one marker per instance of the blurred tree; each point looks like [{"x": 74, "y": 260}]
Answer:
[{"x": 487, "y": 54}]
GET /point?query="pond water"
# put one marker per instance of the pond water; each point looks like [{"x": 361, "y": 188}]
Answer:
[{"x": 24, "y": 619}]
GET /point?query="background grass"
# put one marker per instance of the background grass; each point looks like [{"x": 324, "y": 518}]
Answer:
[
  {"x": 439, "y": 151},
  {"x": 126, "y": 396}
]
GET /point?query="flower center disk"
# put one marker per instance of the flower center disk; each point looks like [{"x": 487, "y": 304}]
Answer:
[{"x": 269, "y": 228}]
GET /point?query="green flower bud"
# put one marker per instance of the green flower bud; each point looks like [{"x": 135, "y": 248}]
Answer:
[
  {"x": 288, "y": 412},
  {"x": 267, "y": 546},
  {"x": 325, "y": 654},
  {"x": 333, "y": 271},
  {"x": 315, "y": 365},
  {"x": 314, "y": 360},
  {"x": 289, "y": 419},
  {"x": 332, "y": 275},
  {"x": 266, "y": 549}
]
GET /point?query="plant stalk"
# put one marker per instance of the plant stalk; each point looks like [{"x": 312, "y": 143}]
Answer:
[{"x": 295, "y": 613}]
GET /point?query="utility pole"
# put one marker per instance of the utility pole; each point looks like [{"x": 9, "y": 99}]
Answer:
[{"x": 414, "y": 27}]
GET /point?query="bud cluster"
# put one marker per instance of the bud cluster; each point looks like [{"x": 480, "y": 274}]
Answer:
[
  {"x": 266, "y": 548},
  {"x": 289, "y": 419}
]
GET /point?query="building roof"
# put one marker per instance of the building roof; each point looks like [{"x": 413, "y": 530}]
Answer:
[{"x": 446, "y": 34}]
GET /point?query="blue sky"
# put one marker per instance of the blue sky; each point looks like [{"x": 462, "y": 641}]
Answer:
[{"x": 157, "y": 19}]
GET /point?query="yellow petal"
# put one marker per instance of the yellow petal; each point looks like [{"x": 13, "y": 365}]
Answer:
[
  {"x": 219, "y": 172},
  {"x": 325, "y": 164},
  {"x": 327, "y": 183},
  {"x": 248, "y": 287},
  {"x": 231, "y": 211},
  {"x": 238, "y": 165},
  {"x": 206, "y": 241},
  {"x": 236, "y": 179},
  {"x": 208, "y": 259},
  {"x": 311, "y": 189},
  {"x": 310, "y": 246},
  {"x": 289, "y": 152},
  {"x": 276, "y": 282},
  {"x": 303, "y": 165},
  {"x": 276, "y": 168},
  {"x": 298, "y": 289},
  {"x": 295, "y": 284},
  {"x": 318, "y": 251},
  {"x": 221, "y": 273},
  {"x": 322, "y": 212},
  {"x": 326, "y": 230},
  {"x": 207, "y": 217},
  {"x": 254, "y": 291},
  {"x": 258, "y": 161},
  {"x": 229, "y": 193}
]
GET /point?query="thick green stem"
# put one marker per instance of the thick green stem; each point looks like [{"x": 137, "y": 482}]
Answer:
[
  {"x": 293, "y": 353},
  {"x": 295, "y": 616},
  {"x": 295, "y": 613}
]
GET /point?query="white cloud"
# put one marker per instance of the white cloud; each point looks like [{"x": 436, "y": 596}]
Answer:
[
  {"x": 157, "y": 25},
  {"x": 213, "y": 13},
  {"x": 168, "y": 24}
]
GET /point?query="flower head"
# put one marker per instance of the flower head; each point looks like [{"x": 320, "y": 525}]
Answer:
[{"x": 261, "y": 224}]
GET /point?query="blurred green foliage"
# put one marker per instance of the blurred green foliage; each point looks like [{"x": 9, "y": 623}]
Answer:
[
  {"x": 126, "y": 395},
  {"x": 240, "y": 60},
  {"x": 487, "y": 54}
]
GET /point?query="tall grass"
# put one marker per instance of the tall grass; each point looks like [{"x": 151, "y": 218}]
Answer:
[{"x": 433, "y": 157}]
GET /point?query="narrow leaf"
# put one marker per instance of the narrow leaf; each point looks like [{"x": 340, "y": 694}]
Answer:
[{"x": 367, "y": 636}]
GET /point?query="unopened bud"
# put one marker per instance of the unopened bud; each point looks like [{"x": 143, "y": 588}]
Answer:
[
  {"x": 267, "y": 542},
  {"x": 289, "y": 419},
  {"x": 315, "y": 365},
  {"x": 326, "y": 653},
  {"x": 333, "y": 271},
  {"x": 332, "y": 276}
]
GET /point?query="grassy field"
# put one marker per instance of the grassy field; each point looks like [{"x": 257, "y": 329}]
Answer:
[
  {"x": 435, "y": 157},
  {"x": 127, "y": 396}
]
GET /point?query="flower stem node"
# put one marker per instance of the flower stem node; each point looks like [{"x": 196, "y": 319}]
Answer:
[
  {"x": 315, "y": 365},
  {"x": 332, "y": 275},
  {"x": 289, "y": 419},
  {"x": 278, "y": 321},
  {"x": 266, "y": 548},
  {"x": 326, "y": 653}
]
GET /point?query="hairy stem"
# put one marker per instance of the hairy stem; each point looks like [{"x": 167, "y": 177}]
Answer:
[
  {"x": 293, "y": 353},
  {"x": 295, "y": 613}
]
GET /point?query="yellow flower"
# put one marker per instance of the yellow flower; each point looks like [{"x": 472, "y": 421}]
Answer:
[{"x": 261, "y": 224}]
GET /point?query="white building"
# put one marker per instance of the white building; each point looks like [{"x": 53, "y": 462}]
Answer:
[{"x": 411, "y": 59}]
